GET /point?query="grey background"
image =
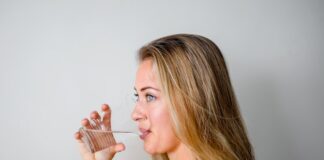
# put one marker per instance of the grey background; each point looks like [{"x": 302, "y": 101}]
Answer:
[{"x": 61, "y": 59}]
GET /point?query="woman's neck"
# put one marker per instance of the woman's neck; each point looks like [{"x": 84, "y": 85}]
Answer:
[{"x": 181, "y": 152}]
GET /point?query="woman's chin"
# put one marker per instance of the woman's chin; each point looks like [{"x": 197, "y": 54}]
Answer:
[{"x": 150, "y": 149}]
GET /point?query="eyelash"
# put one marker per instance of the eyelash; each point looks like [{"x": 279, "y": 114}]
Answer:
[
  {"x": 146, "y": 96},
  {"x": 136, "y": 97}
]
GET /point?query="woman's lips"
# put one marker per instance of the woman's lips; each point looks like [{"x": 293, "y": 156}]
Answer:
[{"x": 144, "y": 132}]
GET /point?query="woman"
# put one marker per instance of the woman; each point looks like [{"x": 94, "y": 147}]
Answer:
[{"x": 186, "y": 107}]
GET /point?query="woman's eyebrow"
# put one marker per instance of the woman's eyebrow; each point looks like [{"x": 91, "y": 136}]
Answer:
[{"x": 147, "y": 87}]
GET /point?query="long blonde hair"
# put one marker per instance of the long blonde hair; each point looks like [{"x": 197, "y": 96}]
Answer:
[{"x": 204, "y": 112}]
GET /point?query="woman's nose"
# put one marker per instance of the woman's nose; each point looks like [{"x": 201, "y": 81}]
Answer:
[{"x": 138, "y": 113}]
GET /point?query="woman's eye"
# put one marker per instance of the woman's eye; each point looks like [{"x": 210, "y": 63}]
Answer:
[
  {"x": 150, "y": 98},
  {"x": 136, "y": 97}
]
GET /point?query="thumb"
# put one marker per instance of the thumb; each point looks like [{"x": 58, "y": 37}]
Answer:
[
  {"x": 118, "y": 147},
  {"x": 108, "y": 153}
]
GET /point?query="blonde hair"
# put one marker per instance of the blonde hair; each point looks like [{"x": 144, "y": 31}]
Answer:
[{"x": 204, "y": 112}]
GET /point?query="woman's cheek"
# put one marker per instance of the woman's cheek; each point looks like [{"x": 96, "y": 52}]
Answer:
[{"x": 163, "y": 138}]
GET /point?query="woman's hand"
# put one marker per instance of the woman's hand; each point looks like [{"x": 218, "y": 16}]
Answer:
[{"x": 105, "y": 154}]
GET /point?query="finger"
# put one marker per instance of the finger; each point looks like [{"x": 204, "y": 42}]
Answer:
[
  {"x": 95, "y": 115},
  {"x": 95, "y": 120},
  {"x": 77, "y": 136},
  {"x": 109, "y": 152},
  {"x": 106, "y": 119},
  {"x": 112, "y": 150},
  {"x": 86, "y": 123},
  {"x": 105, "y": 107},
  {"x": 117, "y": 148}
]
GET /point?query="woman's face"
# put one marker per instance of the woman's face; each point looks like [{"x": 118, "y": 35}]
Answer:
[{"x": 151, "y": 112}]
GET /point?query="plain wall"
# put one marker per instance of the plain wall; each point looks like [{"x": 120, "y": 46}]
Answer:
[{"x": 61, "y": 59}]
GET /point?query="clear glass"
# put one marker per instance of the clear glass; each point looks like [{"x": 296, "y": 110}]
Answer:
[
  {"x": 97, "y": 140},
  {"x": 99, "y": 137}
]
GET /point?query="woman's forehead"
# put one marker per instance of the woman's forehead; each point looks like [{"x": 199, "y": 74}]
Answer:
[{"x": 146, "y": 75}]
